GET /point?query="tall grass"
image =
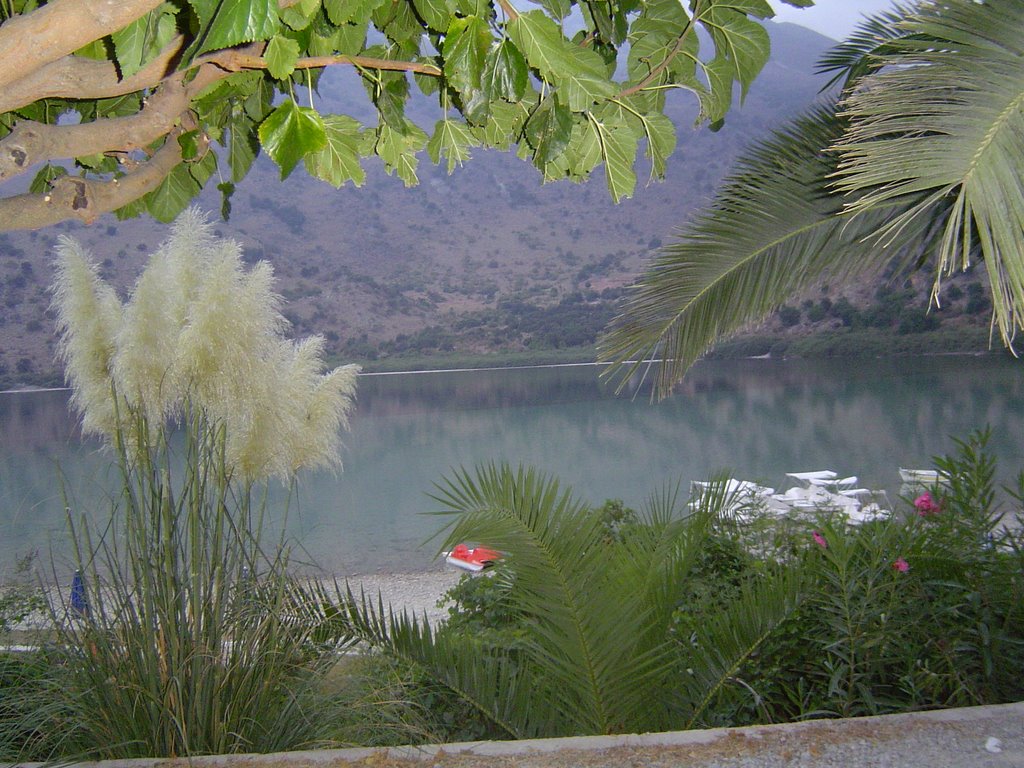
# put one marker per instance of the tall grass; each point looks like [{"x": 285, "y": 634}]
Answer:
[
  {"x": 195, "y": 639},
  {"x": 188, "y": 635}
]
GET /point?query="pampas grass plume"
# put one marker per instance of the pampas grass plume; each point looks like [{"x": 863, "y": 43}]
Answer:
[{"x": 200, "y": 334}]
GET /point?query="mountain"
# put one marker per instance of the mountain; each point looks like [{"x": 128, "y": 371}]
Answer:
[{"x": 484, "y": 259}]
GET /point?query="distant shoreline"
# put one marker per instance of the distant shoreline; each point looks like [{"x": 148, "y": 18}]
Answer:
[{"x": 466, "y": 368}]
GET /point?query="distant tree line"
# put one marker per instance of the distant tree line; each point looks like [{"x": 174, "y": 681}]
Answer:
[{"x": 512, "y": 325}]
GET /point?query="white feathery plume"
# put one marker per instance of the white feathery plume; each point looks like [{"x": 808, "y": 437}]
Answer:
[
  {"x": 88, "y": 321},
  {"x": 201, "y": 333}
]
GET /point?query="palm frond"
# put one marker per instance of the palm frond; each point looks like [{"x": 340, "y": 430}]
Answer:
[
  {"x": 943, "y": 123},
  {"x": 497, "y": 687},
  {"x": 592, "y": 638},
  {"x": 773, "y": 231},
  {"x": 725, "y": 641},
  {"x": 860, "y": 54}
]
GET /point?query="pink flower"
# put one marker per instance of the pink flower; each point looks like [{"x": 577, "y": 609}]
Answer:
[
  {"x": 819, "y": 540},
  {"x": 901, "y": 565},
  {"x": 926, "y": 505}
]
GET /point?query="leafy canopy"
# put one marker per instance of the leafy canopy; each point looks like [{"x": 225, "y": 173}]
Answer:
[
  {"x": 170, "y": 94},
  {"x": 919, "y": 161}
]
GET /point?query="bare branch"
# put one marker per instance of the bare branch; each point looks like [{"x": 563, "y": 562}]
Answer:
[
  {"x": 236, "y": 60},
  {"x": 31, "y": 142},
  {"x": 84, "y": 199},
  {"x": 59, "y": 28},
  {"x": 80, "y": 78}
]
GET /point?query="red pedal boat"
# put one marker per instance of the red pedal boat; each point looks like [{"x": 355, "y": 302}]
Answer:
[{"x": 473, "y": 559}]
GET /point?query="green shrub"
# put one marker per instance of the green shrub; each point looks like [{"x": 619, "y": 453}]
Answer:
[
  {"x": 789, "y": 316},
  {"x": 19, "y": 596}
]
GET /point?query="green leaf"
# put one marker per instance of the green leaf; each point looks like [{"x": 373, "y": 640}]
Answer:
[
  {"x": 44, "y": 179},
  {"x": 398, "y": 151},
  {"x": 351, "y": 11},
  {"x": 131, "y": 210},
  {"x": 542, "y": 42},
  {"x": 258, "y": 104},
  {"x": 242, "y": 146},
  {"x": 618, "y": 148},
  {"x": 548, "y": 131},
  {"x": 92, "y": 162},
  {"x": 435, "y": 13},
  {"x": 661, "y": 142},
  {"x": 224, "y": 23},
  {"x": 389, "y": 93},
  {"x": 662, "y": 16},
  {"x": 139, "y": 43},
  {"x": 281, "y": 55},
  {"x": 716, "y": 100},
  {"x": 465, "y": 52},
  {"x": 584, "y": 150},
  {"x": 399, "y": 23},
  {"x": 188, "y": 142},
  {"x": 580, "y": 71},
  {"x": 505, "y": 72},
  {"x": 559, "y": 9},
  {"x": 290, "y": 133},
  {"x": 453, "y": 140},
  {"x": 173, "y": 195},
  {"x": 339, "y": 160},
  {"x": 350, "y": 39},
  {"x": 503, "y": 125},
  {"x": 226, "y": 189},
  {"x": 203, "y": 168},
  {"x": 741, "y": 41},
  {"x": 583, "y": 89},
  {"x": 299, "y": 15},
  {"x": 96, "y": 50},
  {"x": 428, "y": 84}
]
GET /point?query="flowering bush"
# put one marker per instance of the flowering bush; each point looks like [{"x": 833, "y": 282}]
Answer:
[{"x": 926, "y": 505}]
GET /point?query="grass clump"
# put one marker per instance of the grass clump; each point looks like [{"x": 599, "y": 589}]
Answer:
[{"x": 186, "y": 633}]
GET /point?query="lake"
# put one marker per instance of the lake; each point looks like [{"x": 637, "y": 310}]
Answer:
[{"x": 757, "y": 418}]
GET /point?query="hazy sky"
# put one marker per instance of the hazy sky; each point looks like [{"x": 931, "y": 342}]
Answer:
[{"x": 835, "y": 18}]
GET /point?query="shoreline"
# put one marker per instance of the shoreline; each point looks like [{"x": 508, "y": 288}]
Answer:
[
  {"x": 29, "y": 389},
  {"x": 417, "y": 593}
]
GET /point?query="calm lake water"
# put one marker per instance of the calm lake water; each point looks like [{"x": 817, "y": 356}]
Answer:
[{"x": 756, "y": 418}]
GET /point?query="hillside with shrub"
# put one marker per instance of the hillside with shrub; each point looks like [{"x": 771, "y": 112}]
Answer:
[{"x": 485, "y": 262}]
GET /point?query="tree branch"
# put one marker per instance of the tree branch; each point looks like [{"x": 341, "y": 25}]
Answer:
[
  {"x": 509, "y": 9},
  {"x": 32, "y": 40},
  {"x": 661, "y": 67},
  {"x": 84, "y": 199},
  {"x": 80, "y": 78},
  {"x": 31, "y": 142},
  {"x": 236, "y": 60}
]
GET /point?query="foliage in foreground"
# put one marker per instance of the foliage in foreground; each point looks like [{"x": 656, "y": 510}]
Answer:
[
  {"x": 608, "y": 620},
  {"x": 597, "y": 654},
  {"x": 185, "y": 634},
  {"x": 718, "y": 620},
  {"x": 917, "y": 164},
  {"x": 176, "y": 79}
]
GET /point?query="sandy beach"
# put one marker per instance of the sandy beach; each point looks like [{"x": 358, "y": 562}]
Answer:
[{"x": 418, "y": 592}]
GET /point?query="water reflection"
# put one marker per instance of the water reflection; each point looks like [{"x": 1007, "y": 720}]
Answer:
[{"x": 758, "y": 418}]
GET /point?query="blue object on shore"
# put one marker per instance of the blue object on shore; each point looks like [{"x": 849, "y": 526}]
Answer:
[{"x": 79, "y": 602}]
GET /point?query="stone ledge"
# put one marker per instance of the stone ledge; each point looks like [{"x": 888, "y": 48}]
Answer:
[{"x": 957, "y": 738}]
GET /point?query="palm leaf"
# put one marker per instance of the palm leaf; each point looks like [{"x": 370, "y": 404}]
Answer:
[
  {"x": 727, "y": 640},
  {"x": 772, "y": 232},
  {"x": 943, "y": 123},
  {"x": 493, "y": 684},
  {"x": 593, "y": 641},
  {"x": 860, "y": 54}
]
